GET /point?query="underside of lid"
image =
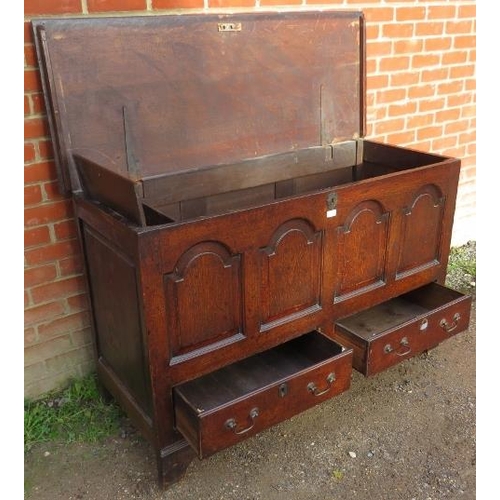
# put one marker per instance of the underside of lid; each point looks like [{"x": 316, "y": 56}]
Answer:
[{"x": 157, "y": 95}]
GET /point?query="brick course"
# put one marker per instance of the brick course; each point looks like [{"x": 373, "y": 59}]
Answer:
[
  {"x": 94, "y": 6},
  {"x": 420, "y": 93}
]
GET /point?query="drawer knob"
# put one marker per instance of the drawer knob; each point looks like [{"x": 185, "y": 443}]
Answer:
[
  {"x": 311, "y": 386},
  {"x": 450, "y": 327},
  {"x": 232, "y": 425}
]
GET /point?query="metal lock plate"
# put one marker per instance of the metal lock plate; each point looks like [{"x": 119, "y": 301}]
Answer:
[{"x": 331, "y": 205}]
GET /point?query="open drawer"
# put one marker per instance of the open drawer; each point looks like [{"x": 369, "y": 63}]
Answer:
[
  {"x": 233, "y": 403},
  {"x": 402, "y": 327}
]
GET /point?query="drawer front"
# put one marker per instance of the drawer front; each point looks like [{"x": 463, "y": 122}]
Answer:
[
  {"x": 213, "y": 430},
  {"x": 405, "y": 326},
  {"x": 421, "y": 334},
  {"x": 394, "y": 347}
]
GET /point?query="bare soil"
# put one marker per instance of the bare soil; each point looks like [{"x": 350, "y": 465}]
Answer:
[{"x": 411, "y": 428}]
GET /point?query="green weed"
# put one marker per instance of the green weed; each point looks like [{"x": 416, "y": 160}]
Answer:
[
  {"x": 461, "y": 273},
  {"x": 337, "y": 474},
  {"x": 77, "y": 413}
]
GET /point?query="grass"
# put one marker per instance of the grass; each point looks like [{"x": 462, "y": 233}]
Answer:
[
  {"x": 462, "y": 268},
  {"x": 77, "y": 413}
]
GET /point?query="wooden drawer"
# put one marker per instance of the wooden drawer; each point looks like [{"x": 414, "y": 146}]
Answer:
[
  {"x": 237, "y": 401},
  {"x": 402, "y": 327}
]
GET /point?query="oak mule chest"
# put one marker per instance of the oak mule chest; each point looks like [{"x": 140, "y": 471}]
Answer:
[{"x": 245, "y": 246}]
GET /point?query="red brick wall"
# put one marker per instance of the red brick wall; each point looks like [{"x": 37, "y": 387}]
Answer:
[{"x": 420, "y": 93}]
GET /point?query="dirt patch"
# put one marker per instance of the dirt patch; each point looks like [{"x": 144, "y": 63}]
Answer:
[{"x": 411, "y": 429}]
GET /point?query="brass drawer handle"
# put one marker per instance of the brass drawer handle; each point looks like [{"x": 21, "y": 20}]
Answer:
[
  {"x": 311, "y": 386},
  {"x": 405, "y": 344},
  {"x": 446, "y": 326},
  {"x": 232, "y": 425}
]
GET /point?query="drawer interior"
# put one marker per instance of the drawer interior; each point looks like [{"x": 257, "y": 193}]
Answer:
[
  {"x": 252, "y": 374},
  {"x": 396, "y": 312}
]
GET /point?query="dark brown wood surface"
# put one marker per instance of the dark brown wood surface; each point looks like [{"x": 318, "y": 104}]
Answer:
[
  {"x": 294, "y": 267},
  {"x": 195, "y": 96},
  {"x": 276, "y": 384},
  {"x": 217, "y": 288},
  {"x": 113, "y": 287},
  {"x": 115, "y": 191},
  {"x": 227, "y": 178},
  {"x": 219, "y": 223},
  {"x": 403, "y": 327}
]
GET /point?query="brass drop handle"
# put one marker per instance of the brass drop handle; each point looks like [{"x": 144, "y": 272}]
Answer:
[
  {"x": 311, "y": 386},
  {"x": 405, "y": 344},
  {"x": 232, "y": 425},
  {"x": 446, "y": 326}
]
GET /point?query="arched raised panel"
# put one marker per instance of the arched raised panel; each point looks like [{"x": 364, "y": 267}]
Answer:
[
  {"x": 362, "y": 244},
  {"x": 421, "y": 231},
  {"x": 204, "y": 300},
  {"x": 290, "y": 274}
]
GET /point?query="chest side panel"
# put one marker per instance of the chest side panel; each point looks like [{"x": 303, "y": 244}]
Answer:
[{"x": 113, "y": 287}]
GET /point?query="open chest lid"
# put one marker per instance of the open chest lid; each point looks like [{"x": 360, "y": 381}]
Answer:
[{"x": 158, "y": 95}]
